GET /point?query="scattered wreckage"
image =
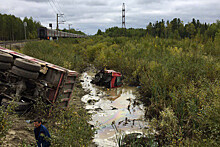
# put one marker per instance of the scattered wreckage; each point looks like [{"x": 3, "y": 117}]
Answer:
[
  {"x": 24, "y": 79},
  {"x": 108, "y": 79}
]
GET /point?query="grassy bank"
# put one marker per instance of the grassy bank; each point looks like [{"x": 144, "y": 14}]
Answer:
[
  {"x": 67, "y": 127},
  {"x": 179, "y": 79}
]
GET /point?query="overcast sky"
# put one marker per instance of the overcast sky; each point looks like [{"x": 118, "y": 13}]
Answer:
[{"x": 91, "y": 15}]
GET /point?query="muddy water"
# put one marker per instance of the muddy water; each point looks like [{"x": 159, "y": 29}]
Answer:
[{"x": 109, "y": 106}]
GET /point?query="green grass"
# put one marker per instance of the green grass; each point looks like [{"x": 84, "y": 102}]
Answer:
[{"x": 179, "y": 79}]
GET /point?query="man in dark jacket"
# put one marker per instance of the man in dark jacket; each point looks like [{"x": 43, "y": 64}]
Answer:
[{"x": 41, "y": 134}]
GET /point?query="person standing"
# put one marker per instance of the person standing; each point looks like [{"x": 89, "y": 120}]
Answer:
[{"x": 41, "y": 133}]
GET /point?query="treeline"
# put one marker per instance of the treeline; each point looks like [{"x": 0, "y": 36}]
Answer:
[
  {"x": 73, "y": 31},
  {"x": 12, "y": 28},
  {"x": 118, "y": 32},
  {"x": 175, "y": 29}
]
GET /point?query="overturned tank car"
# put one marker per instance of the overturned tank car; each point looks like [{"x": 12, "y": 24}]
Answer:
[{"x": 24, "y": 79}]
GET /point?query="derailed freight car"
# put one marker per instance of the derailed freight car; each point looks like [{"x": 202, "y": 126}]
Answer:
[
  {"x": 24, "y": 79},
  {"x": 45, "y": 33}
]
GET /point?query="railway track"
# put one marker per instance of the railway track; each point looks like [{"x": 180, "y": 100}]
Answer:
[
  {"x": 18, "y": 44},
  {"x": 20, "y": 41}
]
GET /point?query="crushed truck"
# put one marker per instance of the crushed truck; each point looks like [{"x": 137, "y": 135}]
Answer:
[
  {"x": 108, "y": 79},
  {"x": 25, "y": 79}
]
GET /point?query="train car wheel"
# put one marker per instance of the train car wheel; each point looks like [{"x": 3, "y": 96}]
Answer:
[
  {"x": 24, "y": 73},
  {"x": 5, "y": 66},
  {"x": 27, "y": 65},
  {"x": 6, "y": 57}
]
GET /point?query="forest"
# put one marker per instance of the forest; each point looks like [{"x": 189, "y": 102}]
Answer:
[
  {"x": 72, "y": 30},
  {"x": 174, "y": 29},
  {"x": 12, "y": 28}
]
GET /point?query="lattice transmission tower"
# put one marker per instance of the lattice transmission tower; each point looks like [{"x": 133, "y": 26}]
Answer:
[{"x": 123, "y": 15}]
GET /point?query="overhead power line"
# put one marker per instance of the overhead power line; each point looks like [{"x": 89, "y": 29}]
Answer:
[
  {"x": 52, "y": 6},
  {"x": 57, "y": 9},
  {"x": 57, "y": 6}
]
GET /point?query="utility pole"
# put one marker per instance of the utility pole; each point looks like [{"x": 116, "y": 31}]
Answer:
[
  {"x": 69, "y": 26},
  {"x": 57, "y": 22},
  {"x": 59, "y": 15},
  {"x": 123, "y": 15},
  {"x": 25, "y": 25},
  {"x": 57, "y": 25}
]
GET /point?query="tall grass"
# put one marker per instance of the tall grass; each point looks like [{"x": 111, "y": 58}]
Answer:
[
  {"x": 65, "y": 53},
  {"x": 179, "y": 79},
  {"x": 67, "y": 126},
  {"x": 71, "y": 128}
]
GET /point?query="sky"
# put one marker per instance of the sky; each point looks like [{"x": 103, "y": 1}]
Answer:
[{"x": 90, "y": 15}]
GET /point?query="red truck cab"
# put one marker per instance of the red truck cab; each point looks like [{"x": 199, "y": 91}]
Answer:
[{"x": 108, "y": 78}]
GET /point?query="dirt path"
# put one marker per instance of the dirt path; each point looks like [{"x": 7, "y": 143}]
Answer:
[{"x": 20, "y": 134}]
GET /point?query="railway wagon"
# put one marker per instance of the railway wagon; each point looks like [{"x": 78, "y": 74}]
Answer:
[
  {"x": 24, "y": 79},
  {"x": 45, "y": 33}
]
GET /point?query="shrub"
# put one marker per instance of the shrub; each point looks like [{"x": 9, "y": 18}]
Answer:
[
  {"x": 4, "y": 124},
  {"x": 71, "y": 128},
  {"x": 179, "y": 79}
]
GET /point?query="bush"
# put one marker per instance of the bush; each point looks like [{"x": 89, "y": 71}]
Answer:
[
  {"x": 4, "y": 124},
  {"x": 179, "y": 79},
  {"x": 70, "y": 128}
]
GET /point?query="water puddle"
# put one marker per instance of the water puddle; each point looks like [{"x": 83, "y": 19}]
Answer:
[{"x": 109, "y": 106}]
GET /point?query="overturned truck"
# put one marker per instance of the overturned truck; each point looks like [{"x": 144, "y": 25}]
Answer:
[
  {"x": 108, "y": 79},
  {"x": 24, "y": 79}
]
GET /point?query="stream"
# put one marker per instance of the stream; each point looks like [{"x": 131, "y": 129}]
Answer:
[{"x": 114, "y": 111}]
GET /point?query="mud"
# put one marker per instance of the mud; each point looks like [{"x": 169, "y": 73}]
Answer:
[
  {"x": 115, "y": 112},
  {"x": 20, "y": 133}
]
